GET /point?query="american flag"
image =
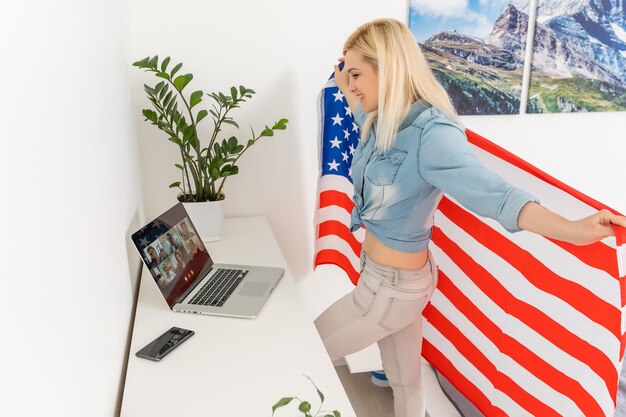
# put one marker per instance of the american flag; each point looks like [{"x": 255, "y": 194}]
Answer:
[
  {"x": 335, "y": 244},
  {"x": 520, "y": 324}
]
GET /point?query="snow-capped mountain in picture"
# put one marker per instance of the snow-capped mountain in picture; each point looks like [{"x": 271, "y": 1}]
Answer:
[
  {"x": 579, "y": 56},
  {"x": 476, "y": 50}
]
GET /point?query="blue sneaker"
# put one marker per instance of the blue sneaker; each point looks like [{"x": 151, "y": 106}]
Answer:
[{"x": 379, "y": 379}]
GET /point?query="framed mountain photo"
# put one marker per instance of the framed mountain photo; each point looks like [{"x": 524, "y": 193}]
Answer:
[
  {"x": 476, "y": 50},
  {"x": 579, "y": 56}
]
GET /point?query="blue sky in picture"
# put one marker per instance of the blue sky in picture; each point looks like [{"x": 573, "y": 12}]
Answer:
[{"x": 469, "y": 17}]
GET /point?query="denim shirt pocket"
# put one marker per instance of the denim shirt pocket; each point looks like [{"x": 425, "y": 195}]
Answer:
[{"x": 384, "y": 169}]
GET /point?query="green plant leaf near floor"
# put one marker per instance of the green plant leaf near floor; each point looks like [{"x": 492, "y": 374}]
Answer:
[
  {"x": 305, "y": 406},
  {"x": 204, "y": 167}
]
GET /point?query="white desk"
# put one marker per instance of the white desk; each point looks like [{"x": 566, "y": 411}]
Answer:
[{"x": 232, "y": 367}]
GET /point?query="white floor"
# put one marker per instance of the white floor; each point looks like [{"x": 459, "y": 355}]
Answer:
[{"x": 369, "y": 400}]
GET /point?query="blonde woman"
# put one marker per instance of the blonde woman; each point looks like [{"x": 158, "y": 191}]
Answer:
[{"x": 412, "y": 149}]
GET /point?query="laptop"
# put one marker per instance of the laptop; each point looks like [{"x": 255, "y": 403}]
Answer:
[{"x": 188, "y": 278}]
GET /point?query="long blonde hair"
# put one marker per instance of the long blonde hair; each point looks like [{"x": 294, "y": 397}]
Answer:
[{"x": 404, "y": 76}]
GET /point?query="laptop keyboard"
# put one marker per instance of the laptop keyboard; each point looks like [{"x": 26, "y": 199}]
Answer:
[{"x": 217, "y": 290}]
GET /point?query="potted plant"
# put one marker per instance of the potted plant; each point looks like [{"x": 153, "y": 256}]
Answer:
[{"x": 204, "y": 166}]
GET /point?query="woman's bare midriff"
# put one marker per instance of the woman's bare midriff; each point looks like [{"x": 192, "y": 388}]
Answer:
[{"x": 385, "y": 255}]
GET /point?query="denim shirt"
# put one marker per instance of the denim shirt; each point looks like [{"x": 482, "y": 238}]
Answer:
[{"x": 396, "y": 193}]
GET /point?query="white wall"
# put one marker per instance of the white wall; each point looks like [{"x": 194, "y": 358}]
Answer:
[{"x": 70, "y": 196}]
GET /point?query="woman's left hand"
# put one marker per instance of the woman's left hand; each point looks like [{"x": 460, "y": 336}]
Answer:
[{"x": 595, "y": 227}]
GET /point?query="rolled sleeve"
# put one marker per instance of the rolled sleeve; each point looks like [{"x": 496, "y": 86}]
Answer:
[{"x": 446, "y": 161}]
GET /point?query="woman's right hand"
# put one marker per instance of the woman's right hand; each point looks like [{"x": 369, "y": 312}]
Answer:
[{"x": 341, "y": 77}]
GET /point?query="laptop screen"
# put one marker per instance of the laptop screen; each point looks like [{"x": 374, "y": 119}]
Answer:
[{"x": 173, "y": 252}]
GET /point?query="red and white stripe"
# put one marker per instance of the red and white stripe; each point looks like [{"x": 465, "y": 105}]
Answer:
[
  {"x": 520, "y": 324},
  {"x": 335, "y": 244}
]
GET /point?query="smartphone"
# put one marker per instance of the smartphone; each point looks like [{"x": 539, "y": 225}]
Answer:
[{"x": 164, "y": 344}]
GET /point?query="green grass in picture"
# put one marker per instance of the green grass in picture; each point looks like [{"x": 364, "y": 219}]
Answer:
[
  {"x": 550, "y": 95},
  {"x": 475, "y": 88}
]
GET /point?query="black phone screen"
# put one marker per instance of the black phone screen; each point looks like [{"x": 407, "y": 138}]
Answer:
[{"x": 164, "y": 344}]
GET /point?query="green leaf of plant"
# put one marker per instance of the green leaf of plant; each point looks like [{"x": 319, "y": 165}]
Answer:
[
  {"x": 163, "y": 75},
  {"x": 176, "y": 140},
  {"x": 215, "y": 173},
  {"x": 164, "y": 64},
  {"x": 232, "y": 144},
  {"x": 250, "y": 142},
  {"x": 163, "y": 92},
  {"x": 267, "y": 132},
  {"x": 149, "y": 89},
  {"x": 282, "y": 402},
  {"x": 175, "y": 184},
  {"x": 159, "y": 86},
  {"x": 336, "y": 413},
  {"x": 238, "y": 149},
  {"x": 196, "y": 97},
  {"x": 154, "y": 61},
  {"x": 188, "y": 132},
  {"x": 150, "y": 115},
  {"x": 179, "y": 166},
  {"x": 305, "y": 406},
  {"x": 201, "y": 115},
  {"x": 175, "y": 69},
  {"x": 231, "y": 122},
  {"x": 142, "y": 62},
  {"x": 168, "y": 98},
  {"x": 233, "y": 93},
  {"x": 170, "y": 105},
  {"x": 281, "y": 124},
  {"x": 318, "y": 390},
  {"x": 181, "y": 81}
]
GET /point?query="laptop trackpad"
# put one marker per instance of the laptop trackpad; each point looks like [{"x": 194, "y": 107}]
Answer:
[{"x": 254, "y": 289}]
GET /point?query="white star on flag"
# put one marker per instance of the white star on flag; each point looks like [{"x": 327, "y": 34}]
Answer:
[
  {"x": 346, "y": 134},
  {"x": 348, "y": 111},
  {"x": 337, "y": 119},
  {"x": 336, "y": 142},
  {"x": 338, "y": 95},
  {"x": 333, "y": 165},
  {"x": 355, "y": 127},
  {"x": 345, "y": 156}
]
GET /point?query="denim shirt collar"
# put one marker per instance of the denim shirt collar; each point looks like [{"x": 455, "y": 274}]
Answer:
[{"x": 415, "y": 109}]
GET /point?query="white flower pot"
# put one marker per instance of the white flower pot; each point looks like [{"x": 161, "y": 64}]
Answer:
[{"x": 208, "y": 218}]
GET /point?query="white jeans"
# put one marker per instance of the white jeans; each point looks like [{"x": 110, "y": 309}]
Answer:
[{"x": 385, "y": 307}]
